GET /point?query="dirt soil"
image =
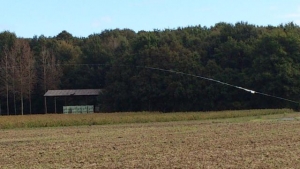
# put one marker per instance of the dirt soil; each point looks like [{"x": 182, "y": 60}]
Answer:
[{"x": 195, "y": 144}]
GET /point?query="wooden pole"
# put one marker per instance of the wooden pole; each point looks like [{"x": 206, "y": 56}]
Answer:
[{"x": 45, "y": 102}]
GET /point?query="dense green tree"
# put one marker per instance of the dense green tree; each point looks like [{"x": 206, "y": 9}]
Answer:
[
  {"x": 163, "y": 70},
  {"x": 276, "y": 66}
]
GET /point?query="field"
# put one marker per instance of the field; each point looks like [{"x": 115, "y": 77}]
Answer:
[{"x": 262, "y": 141}]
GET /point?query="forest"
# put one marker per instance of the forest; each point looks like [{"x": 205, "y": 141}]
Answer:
[{"x": 129, "y": 66}]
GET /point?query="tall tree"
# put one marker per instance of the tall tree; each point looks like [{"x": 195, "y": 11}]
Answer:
[
  {"x": 4, "y": 76},
  {"x": 24, "y": 71},
  {"x": 7, "y": 40},
  {"x": 52, "y": 72}
]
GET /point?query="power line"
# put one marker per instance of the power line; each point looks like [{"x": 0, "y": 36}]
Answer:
[
  {"x": 223, "y": 83},
  {"x": 186, "y": 74}
]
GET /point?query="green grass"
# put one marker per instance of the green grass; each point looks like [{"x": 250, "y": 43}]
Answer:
[{"x": 58, "y": 120}]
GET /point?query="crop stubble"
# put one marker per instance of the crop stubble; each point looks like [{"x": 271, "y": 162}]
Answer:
[{"x": 193, "y": 144}]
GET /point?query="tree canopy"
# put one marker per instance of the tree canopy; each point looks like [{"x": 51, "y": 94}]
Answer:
[{"x": 129, "y": 67}]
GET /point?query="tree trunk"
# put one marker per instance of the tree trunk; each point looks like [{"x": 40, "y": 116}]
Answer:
[
  {"x": 7, "y": 100},
  {"x": 30, "y": 104},
  {"x": 14, "y": 93},
  {"x": 6, "y": 79},
  {"x": 29, "y": 87},
  {"x": 22, "y": 106},
  {"x": 45, "y": 87},
  {"x": 15, "y": 104}
]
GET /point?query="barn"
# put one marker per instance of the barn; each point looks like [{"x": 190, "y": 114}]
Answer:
[{"x": 72, "y": 100}]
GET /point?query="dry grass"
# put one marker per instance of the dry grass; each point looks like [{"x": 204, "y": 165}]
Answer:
[
  {"x": 268, "y": 143},
  {"x": 56, "y": 120}
]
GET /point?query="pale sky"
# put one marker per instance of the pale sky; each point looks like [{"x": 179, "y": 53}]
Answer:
[{"x": 81, "y": 18}]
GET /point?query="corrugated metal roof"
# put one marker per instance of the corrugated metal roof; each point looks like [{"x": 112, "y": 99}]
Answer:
[{"x": 73, "y": 92}]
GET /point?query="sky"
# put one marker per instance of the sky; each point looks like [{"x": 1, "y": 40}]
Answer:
[{"x": 81, "y": 18}]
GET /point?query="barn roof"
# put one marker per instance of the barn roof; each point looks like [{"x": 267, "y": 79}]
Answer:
[{"x": 73, "y": 92}]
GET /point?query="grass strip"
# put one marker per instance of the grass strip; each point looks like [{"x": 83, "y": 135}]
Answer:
[{"x": 58, "y": 120}]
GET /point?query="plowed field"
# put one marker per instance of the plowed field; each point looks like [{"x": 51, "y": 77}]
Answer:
[{"x": 193, "y": 144}]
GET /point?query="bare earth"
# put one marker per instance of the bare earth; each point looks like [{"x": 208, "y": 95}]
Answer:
[{"x": 194, "y": 144}]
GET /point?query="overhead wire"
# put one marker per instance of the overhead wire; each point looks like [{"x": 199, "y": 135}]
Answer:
[
  {"x": 223, "y": 83},
  {"x": 192, "y": 75}
]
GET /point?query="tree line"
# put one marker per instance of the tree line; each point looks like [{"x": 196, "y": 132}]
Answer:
[{"x": 121, "y": 61}]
